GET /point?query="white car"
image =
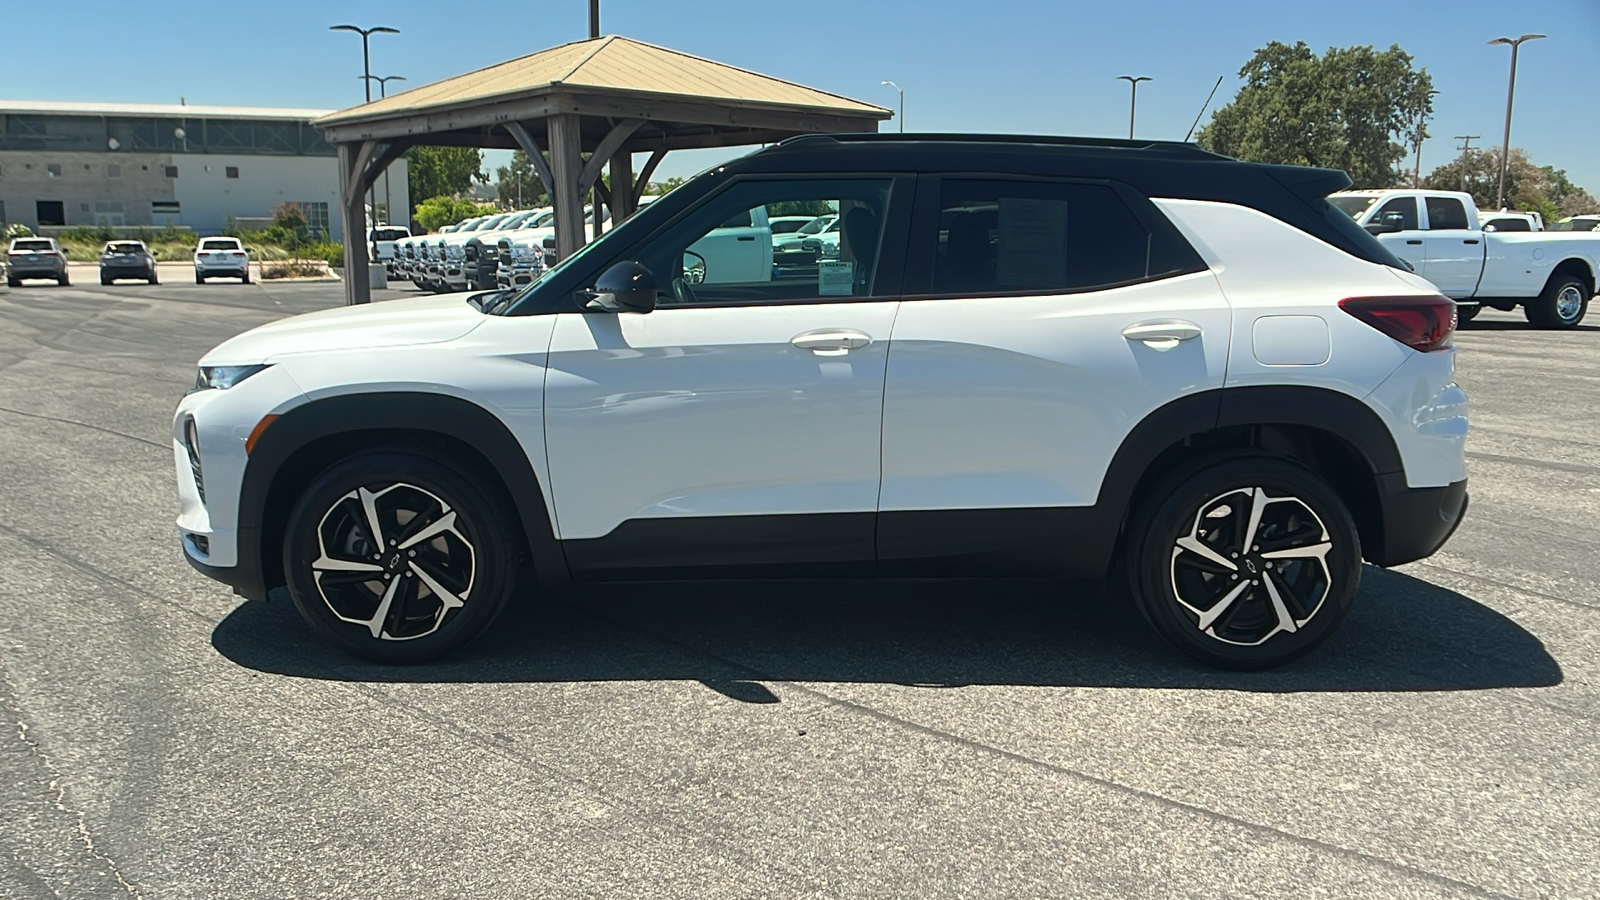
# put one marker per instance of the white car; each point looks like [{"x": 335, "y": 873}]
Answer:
[
  {"x": 1578, "y": 223},
  {"x": 221, "y": 257},
  {"x": 383, "y": 240},
  {"x": 1142, "y": 361}
]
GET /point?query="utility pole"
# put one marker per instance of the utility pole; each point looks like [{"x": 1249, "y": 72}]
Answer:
[
  {"x": 594, "y": 19},
  {"x": 1422, "y": 128},
  {"x": 1133, "y": 103},
  {"x": 1466, "y": 144}
]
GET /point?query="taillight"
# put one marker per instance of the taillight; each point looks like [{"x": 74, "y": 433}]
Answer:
[
  {"x": 1421, "y": 323},
  {"x": 238, "y": 253}
]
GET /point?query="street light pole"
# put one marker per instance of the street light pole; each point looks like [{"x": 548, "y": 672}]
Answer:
[
  {"x": 1511, "y": 92},
  {"x": 383, "y": 91},
  {"x": 366, "y": 71},
  {"x": 902, "y": 115},
  {"x": 1133, "y": 103}
]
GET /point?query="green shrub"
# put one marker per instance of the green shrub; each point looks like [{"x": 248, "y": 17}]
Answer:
[
  {"x": 87, "y": 234},
  {"x": 18, "y": 230}
]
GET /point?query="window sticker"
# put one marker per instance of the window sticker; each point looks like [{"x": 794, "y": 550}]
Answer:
[
  {"x": 1033, "y": 243},
  {"x": 836, "y": 278}
]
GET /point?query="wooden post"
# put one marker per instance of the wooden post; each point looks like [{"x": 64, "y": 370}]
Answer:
[
  {"x": 566, "y": 162},
  {"x": 622, "y": 205},
  {"x": 357, "y": 283}
]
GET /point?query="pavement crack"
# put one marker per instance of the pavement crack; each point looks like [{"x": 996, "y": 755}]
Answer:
[
  {"x": 18, "y": 412},
  {"x": 58, "y": 791}
]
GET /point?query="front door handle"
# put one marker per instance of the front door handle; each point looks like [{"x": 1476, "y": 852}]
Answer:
[
  {"x": 831, "y": 341},
  {"x": 1161, "y": 334},
  {"x": 1418, "y": 243}
]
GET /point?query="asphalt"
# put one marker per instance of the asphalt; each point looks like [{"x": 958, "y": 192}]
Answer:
[{"x": 997, "y": 739}]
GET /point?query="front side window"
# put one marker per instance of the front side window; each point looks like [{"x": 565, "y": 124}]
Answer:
[
  {"x": 1446, "y": 214},
  {"x": 723, "y": 252},
  {"x": 1405, "y": 208},
  {"x": 998, "y": 237}
]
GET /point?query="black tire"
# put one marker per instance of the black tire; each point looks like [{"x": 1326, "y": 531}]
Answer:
[
  {"x": 105, "y": 281},
  {"x": 199, "y": 279},
  {"x": 63, "y": 280},
  {"x": 1468, "y": 312},
  {"x": 477, "y": 558},
  {"x": 245, "y": 278},
  {"x": 153, "y": 279},
  {"x": 1563, "y": 303},
  {"x": 1198, "y": 605},
  {"x": 13, "y": 282}
]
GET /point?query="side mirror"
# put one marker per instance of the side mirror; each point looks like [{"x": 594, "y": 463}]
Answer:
[
  {"x": 625, "y": 287},
  {"x": 1389, "y": 223},
  {"x": 694, "y": 268}
]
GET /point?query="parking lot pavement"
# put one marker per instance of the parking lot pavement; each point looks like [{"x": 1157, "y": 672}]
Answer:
[{"x": 973, "y": 739}]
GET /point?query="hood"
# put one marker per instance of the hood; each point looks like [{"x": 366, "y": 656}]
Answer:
[{"x": 390, "y": 323}]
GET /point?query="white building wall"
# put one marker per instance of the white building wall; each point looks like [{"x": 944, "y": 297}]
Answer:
[{"x": 207, "y": 196}]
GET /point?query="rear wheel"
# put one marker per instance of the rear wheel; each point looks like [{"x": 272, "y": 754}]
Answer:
[
  {"x": 199, "y": 279},
  {"x": 1244, "y": 563},
  {"x": 63, "y": 280},
  {"x": 1562, "y": 305},
  {"x": 245, "y": 278},
  {"x": 104, "y": 280},
  {"x": 396, "y": 556},
  {"x": 1468, "y": 312},
  {"x": 153, "y": 279}
]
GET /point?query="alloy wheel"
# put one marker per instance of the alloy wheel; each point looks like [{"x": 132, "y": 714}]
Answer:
[
  {"x": 1252, "y": 566},
  {"x": 394, "y": 561}
]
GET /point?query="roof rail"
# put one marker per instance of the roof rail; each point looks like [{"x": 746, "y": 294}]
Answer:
[{"x": 1173, "y": 148}]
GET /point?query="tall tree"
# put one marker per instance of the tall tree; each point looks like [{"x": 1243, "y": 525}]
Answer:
[
  {"x": 1543, "y": 189},
  {"x": 519, "y": 184},
  {"x": 443, "y": 171},
  {"x": 1353, "y": 108}
]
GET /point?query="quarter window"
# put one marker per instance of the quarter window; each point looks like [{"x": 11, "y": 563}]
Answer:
[
  {"x": 1446, "y": 214},
  {"x": 999, "y": 237}
]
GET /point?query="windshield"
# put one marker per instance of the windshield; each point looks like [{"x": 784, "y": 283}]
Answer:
[
  {"x": 1353, "y": 206},
  {"x": 1583, "y": 223},
  {"x": 219, "y": 245},
  {"x": 130, "y": 247}
]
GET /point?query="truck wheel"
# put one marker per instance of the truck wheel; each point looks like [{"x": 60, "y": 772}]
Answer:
[
  {"x": 1562, "y": 305},
  {"x": 1243, "y": 563},
  {"x": 1468, "y": 312}
]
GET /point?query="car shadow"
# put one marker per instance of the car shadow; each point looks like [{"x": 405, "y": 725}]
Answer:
[
  {"x": 1503, "y": 325},
  {"x": 1403, "y": 634}
]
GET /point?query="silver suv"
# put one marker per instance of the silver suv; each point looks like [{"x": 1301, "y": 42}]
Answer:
[{"x": 35, "y": 257}]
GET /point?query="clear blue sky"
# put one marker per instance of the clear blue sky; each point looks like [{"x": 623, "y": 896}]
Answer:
[{"x": 1045, "y": 66}]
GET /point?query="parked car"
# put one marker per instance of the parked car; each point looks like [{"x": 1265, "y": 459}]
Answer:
[
  {"x": 1549, "y": 274},
  {"x": 481, "y": 252},
  {"x": 382, "y": 240},
  {"x": 127, "y": 259},
  {"x": 221, "y": 257},
  {"x": 1578, "y": 223},
  {"x": 788, "y": 224},
  {"x": 1150, "y": 361},
  {"x": 35, "y": 257}
]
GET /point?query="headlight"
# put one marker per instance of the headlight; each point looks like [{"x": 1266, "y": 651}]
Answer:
[{"x": 223, "y": 377}]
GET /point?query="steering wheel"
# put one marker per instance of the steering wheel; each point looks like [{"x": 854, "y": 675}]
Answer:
[{"x": 693, "y": 271}]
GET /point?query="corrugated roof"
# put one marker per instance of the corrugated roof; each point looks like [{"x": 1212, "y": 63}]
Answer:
[
  {"x": 610, "y": 63},
  {"x": 174, "y": 110}
]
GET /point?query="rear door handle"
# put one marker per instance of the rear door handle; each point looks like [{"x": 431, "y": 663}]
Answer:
[
  {"x": 747, "y": 238},
  {"x": 1413, "y": 242},
  {"x": 1161, "y": 334},
  {"x": 1470, "y": 241},
  {"x": 831, "y": 341}
]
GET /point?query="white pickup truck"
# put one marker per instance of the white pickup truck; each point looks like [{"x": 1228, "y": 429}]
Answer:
[{"x": 1551, "y": 275}]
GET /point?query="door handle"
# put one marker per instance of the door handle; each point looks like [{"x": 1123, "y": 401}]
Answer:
[
  {"x": 1413, "y": 242},
  {"x": 747, "y": 238},
  {"x": 1161, "y": 334},
  {"x": 831, "y": 341},
  {"x": 1470, "y": 241}
]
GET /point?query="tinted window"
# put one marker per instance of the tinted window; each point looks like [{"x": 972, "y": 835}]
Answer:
[
  {"x": 1010, "y": 236},
  {"x": 1446, "y": 214},
  {"x": 1406, "y": 207},
  {"x": 1507, "y": 225},
  {"x": 31, "y": 245},
  {"x": 219, "y": 245},
  {"x": 714, "y": 255}
]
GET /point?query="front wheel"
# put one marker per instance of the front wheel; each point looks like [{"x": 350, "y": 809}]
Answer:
[
  {"x": 398, "y": 557},
  {"x": 1468, "y": 312},
  {"x": 1244, "y": 563},
  {"x": 1562, "y": 304}
]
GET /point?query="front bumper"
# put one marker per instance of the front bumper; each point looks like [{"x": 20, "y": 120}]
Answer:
[{"x": 1416, "y": 521}]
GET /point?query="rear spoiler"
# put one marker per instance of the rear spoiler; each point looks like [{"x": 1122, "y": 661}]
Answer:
[{"x": 1309, "y": 184}]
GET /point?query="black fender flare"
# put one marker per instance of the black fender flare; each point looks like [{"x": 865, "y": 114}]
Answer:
[{"x": 441, "y": 414}]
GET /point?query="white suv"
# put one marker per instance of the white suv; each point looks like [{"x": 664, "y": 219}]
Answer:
[
  {"x": 221, "y": 256},
  {"x": 1122, "y": 359}
]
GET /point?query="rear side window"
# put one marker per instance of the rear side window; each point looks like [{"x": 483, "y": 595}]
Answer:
[
  {"x": 999, "y": 237},
  {"x": 1446, "y": 214},
  {"x": 1406, "y": 208}
]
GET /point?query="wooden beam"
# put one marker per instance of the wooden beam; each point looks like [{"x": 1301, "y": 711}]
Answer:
[
  {"x": 566, "y": 162},
  {"x": 357, "y": 286},
  {"x": 649, "y": 169},
  {"x": 541, "y": 166},
  {"x": 610, "y": 144},
  {"x": 621, "y": 200}
]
